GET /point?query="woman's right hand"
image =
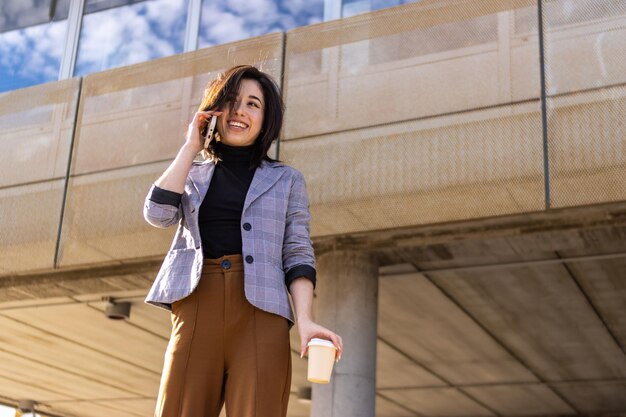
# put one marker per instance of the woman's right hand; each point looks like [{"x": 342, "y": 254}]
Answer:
[{"x": 194, "y": 139}]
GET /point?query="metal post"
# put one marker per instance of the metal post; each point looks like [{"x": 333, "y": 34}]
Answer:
[
  {"x": 74, "y": 22},
  {"x": 332, "y": 9},
  {"x": 544, "y": 107},
  {"x": 194, "y": 10}
]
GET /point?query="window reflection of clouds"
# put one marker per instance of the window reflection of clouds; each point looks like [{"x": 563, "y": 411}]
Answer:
[
  {"x": 131, "y": 34},
  {"x": 17, "y": 14},
  {"x": 354, "y": 7},
  {"x": 98, "y": 5},
  {"x": 31, "y": 56},
  {"x": 223, "y": 22}
]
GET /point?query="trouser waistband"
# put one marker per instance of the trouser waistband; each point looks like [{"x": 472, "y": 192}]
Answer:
[{"x": 231, "y": 263}]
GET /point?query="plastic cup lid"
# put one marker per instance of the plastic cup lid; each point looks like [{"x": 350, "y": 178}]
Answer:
[{"x": 321, "y": 342}]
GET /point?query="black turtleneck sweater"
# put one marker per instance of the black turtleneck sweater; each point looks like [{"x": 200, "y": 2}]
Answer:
[
  {"x": 219, "y": 217},
  {"x": 220, "y": 212}
]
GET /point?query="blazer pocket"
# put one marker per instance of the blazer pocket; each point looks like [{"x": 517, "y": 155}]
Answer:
[{"x": 176, "y": 266}]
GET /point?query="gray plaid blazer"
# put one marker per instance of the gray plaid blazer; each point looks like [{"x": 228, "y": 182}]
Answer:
[{"x": 277, "y": 207}]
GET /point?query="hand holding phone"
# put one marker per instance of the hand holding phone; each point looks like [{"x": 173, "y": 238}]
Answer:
[{"x": 209, "y": 131}]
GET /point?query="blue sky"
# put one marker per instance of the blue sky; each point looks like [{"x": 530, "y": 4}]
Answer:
[
  {"x": 31, "y": 55},
  {"x": 240, "y": 19},
  {"x": 10, "y": 412},
  {"x": 131, "y": 34},
  {"x": 6, "y": 411},
  {"x": 138, "y": 33}
]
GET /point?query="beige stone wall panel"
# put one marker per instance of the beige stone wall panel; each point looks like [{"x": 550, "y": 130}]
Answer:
[
  {"x": 408, "y": 62},
  {"x": 36, "y": 127},
  {"x": 478, "y": 164},
  {"x": 585, "y": 75}
]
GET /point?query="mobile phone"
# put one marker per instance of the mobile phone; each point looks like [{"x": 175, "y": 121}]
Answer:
[{"x": 209, "y": 131}]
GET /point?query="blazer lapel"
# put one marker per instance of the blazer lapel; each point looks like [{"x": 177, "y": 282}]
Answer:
[
  {"x": 264, "y": 177},
  {"x": 200, "y": 179}
]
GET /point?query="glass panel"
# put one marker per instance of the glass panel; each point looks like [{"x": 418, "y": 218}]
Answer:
[
  {"x": 130, "y": 125},
  {"x": 133, "y": 33},
  {"x": 36, "y": 126},
  {"x": 586, "y": 75},
  {"x": 97, "y": 5},
  {"x": 31, "y": 48},
  {"x": 9, "y": 411},
  {"x": 354, "y": 7},
  {"x": 18, "y": 14},
  {"x": 31, "y": 55},
  {"x": 223, "y": 22},
  {"x": 423, "y": 132}
]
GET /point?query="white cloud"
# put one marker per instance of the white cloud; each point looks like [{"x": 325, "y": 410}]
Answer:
[
  {"x": 34, "y": 52},
  {"x": 260, "y": 12},
  {"x": 297, "y": 7},
  {"x": 7, "y": 411},
  {"x": 119, "y": 36},
  {"x": 15, "y": 39},
  {"x": 239, "y": 19},
  {"x": 19, "y": 13},
  {"x": 140, "y": 32},
  {"x": 220, "y": 26},
  {"x": 128, "y": 35},
  {"x": 166, "y": 15}
]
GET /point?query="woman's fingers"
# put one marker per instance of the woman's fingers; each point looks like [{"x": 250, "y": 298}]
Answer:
[
  {"x": 202, "y": 117},
  {"x": 208, "y": 114},
  {"x": 336, "y": 339},
  {"x": 337, "y": 342},
  {"x": 315, "y": 330}
]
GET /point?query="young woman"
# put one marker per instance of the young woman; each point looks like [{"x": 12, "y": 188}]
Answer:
[{"x": 242, "y": 243}]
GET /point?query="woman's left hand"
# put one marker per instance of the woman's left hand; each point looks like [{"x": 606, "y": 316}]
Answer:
[{"x": 309, "y": 329}]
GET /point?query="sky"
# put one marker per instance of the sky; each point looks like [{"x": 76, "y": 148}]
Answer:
[
  {"x": 240, "y": 19},
  {"x": 6, "y": 411},
  {"x": 10, "y": 412},
  {"x": 135, "y": 33}
]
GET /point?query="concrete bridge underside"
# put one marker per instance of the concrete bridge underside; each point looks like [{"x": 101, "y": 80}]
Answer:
[{"x": 506, "y": 316}]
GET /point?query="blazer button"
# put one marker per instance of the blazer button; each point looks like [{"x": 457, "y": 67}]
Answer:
[
  {"x": 249, "y": 259},
  {"x": 247, "y": 226}
]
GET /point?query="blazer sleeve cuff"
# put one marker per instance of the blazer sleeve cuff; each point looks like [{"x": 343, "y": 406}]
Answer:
[
  {"x": 300, "y": 271},
  {"x": 162, "y": 196}
]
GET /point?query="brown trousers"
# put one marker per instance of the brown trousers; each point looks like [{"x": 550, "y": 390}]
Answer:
[{"x": 225, "y": 350}]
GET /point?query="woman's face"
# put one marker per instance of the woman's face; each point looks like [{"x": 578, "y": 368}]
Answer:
[{"x": 240, "y": 124}]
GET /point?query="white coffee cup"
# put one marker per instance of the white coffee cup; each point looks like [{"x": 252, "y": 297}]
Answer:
[{"x": 321, "y": 360}]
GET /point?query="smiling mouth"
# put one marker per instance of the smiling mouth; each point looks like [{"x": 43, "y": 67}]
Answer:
[{"x": 237, "y": 125}]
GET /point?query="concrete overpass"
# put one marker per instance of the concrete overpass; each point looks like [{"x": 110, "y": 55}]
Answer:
[{"x": 490, "y": 206}]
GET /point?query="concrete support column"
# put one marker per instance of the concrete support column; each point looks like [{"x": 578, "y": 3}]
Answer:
[{"x": 347, "y": 303}]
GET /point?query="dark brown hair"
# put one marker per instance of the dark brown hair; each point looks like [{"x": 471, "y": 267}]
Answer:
[{"x": 224, "y": 90}]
